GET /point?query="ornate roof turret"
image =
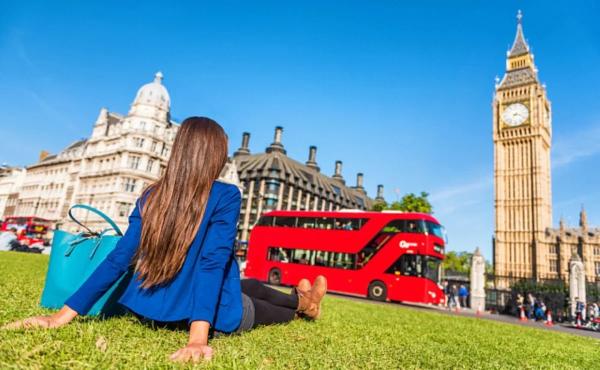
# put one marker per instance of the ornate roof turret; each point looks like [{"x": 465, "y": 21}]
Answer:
[
  {"x": 520, "y": 68},
  {"x": 152, "y": 100},
  {"x": 519, "y": 46}
]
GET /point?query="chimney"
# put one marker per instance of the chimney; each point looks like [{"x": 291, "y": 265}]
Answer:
[
  {"x": 338, "y": 172},
  {"x": 43, "y": 155},
  {"x": 359, "y": 182},
  {"x": 583, "y": 218},
  {"x": 243, "y": 150},
  {"x": 276, "y": 145},
  {"x": 312, "y": 158},
  {"x": 380, "y": 193}
]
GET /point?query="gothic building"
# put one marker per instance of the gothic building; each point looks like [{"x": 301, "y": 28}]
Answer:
[
  {"x": 274, "y": 181},
  {"x": 525, "y": 245}
]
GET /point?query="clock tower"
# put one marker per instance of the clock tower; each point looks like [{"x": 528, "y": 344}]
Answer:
[{"x": 522, "y": 135}]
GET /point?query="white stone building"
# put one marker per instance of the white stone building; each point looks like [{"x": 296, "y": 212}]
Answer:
[
  {"x": 108, "y": 170},
  {"x": 11, "y": 180}
]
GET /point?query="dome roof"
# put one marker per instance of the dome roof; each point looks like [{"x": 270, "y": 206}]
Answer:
[{"x": 153, "y": 94}]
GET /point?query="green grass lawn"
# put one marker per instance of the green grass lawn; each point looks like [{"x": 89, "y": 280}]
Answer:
[{"x": 349, "y": 335}]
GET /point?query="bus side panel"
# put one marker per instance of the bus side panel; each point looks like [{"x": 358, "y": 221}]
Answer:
[{"x": 257, "y": 264}]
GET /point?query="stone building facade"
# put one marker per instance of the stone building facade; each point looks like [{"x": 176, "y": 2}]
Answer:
[
  {"x": 274, "y": 181},
  {"x": 11, "y": 180},
  {"x": 109, "y": 169},
  {"x": 525, "y": 244}
]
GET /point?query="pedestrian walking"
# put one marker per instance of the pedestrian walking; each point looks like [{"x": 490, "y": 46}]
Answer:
[{"x": 463, "y": 294}]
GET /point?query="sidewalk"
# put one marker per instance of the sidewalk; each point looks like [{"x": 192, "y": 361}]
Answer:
[{"x": 486, "y": 315}]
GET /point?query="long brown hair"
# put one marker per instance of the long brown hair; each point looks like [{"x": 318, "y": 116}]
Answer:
[{"x": 174, "y": 206}]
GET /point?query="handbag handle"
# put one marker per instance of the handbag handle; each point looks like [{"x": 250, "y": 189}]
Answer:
[{"x": 97, "y": 212}]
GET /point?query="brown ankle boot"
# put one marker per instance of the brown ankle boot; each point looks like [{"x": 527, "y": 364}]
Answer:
[
  {"x": 317, "y": 292},
  {"x": 303, "y": 293}
]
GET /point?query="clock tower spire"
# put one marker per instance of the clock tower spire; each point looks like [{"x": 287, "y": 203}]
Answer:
[{"x": 522, "y": 140}]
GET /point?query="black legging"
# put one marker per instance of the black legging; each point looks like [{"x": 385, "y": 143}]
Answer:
[{"x": 270, "y": 305}]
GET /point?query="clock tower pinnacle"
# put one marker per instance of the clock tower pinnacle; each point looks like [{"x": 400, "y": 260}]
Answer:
[{"x": 522, "y": 140}]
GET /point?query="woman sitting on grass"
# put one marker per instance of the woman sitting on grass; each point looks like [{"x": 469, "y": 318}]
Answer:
[{"x": 180, "y": 243}]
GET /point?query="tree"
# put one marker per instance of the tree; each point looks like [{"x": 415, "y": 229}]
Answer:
[
  {"x": 457, "y": 262},
  {"x": 461, "y": 262},
  {"x": 409, "y": 203},
  {"x": 413, "y": 203},
  {"x": 379, "y": 205}
]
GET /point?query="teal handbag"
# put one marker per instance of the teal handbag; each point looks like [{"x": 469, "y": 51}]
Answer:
[{"x": 74, "y": 257}]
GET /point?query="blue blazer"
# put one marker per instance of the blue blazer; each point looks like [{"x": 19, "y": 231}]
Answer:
[{"x": 207, "y": 288}]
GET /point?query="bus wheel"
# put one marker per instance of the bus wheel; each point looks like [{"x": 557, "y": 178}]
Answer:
[
  {"x": 377, "y": 291},
  {"x": 275, "y": 277}
]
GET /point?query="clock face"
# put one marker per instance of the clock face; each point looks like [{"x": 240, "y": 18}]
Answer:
[{"x": 515, "y": 114}]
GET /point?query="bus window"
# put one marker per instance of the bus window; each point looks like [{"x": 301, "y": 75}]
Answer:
[
  {"x": 325, "y": 223},
  {"x": 431, "y": 265},
  {"x": 349, "y": 223},
  {"x": 285, "y": 221},
  {"x": 278, "y": 254},
  {"x": 343, "y": 261},
  {"x": 373, "y": 247},
  {"x": 306, "y": 222},
  {"x": 265, "y": 221},
  {"x": 405, "y": 226},
  {"x": 321, "y": 259},
  {"x": 407, "y": 265},
  {"x": 301, "y": 256}
]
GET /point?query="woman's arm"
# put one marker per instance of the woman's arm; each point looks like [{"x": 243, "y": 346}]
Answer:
[{"x": 111, "y": 269}]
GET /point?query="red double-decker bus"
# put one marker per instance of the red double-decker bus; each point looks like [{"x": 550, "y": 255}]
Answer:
[
  {"x": 384, "y": 256},
  {"x": 30, "y": 229}
]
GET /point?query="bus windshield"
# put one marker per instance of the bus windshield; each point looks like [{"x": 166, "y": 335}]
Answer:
[{"x": 436, "y": 229}]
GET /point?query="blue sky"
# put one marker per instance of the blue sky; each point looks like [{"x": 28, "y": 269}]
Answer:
[{"x": 398, "y": 90}]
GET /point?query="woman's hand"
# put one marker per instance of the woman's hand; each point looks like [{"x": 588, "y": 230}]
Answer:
[
  {"x": 197, "y": 347},
  {"x": 194, "y": 352},
  {"x": 61, "y": 318}
]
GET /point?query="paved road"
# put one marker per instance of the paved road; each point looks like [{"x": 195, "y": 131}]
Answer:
[{"x": 563, "y": 328}]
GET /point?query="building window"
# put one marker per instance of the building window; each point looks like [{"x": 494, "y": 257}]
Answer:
[
  {"x": 153, "y": 147},
  {"x": 552, "y": 264},
  {"x": 129, "y": 185},
  {"x": 143, "y": 125},
  {"x": 123, "y": 209},
  {"x": 149, "y": 165},
  {"x": 138, "y": 142},
  {"x": 597, "y": 268},
  {"x": 134, "y": 162}
]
